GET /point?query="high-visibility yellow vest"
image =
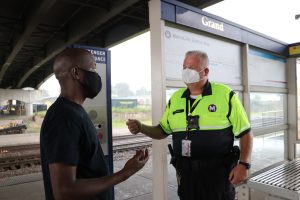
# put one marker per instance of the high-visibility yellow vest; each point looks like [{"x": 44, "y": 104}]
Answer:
[{"x": 221, "y": 117}]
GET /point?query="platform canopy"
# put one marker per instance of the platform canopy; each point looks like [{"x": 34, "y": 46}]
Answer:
[{"x": 32, "y": 32}]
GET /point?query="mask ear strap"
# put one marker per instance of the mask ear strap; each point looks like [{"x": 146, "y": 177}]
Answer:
[
  {"x": 77, "y": 68},
  {"x": 202, "y": 69}
]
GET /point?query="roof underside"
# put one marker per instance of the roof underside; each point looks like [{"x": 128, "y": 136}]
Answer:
[{"x": 32, "y": 32}]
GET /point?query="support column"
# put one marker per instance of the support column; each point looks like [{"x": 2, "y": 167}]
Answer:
[
  {"x": 245, "y": 79},
  {"x": 159, "y": 150},
  {"x": 29, "y": 105},
  {"x": 29, "y": 109},
  {"x": 243, "y": 190},
  {"x": 290, "y": 150}
]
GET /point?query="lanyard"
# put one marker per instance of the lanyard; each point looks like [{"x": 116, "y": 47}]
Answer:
[
  {"x": 188, "y": 114},
  {"x": 188, "y": 105}
]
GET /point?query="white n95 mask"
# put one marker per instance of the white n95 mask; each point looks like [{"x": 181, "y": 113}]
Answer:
[{"x": 190, "y": 75}]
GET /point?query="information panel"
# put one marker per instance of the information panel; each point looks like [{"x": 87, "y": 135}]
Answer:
[
  {"x": 224, "y": 57},
  {"x": 266, "y": 69}
]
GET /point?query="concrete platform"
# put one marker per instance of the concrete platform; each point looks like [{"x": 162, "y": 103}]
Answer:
[
  {"x": 25, "y": 187},
  {"x": 26, "y": 191},
  {"x": 137, "y": 187}
]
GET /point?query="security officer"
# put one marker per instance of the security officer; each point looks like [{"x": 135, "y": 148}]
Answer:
[{"x": 203, "y": 120}]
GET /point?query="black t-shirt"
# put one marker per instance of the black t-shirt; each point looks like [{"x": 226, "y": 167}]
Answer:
[{"x": 68, "y": 136}]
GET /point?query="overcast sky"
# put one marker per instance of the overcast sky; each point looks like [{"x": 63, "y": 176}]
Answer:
[{"x": 275, "y": 18}]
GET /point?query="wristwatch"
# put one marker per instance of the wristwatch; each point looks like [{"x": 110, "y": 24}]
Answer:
[{"x": 247, "y": 165}]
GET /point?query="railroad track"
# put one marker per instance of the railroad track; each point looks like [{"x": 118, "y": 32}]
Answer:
[
  {"x": 132, "y": 142},
  {"x": 132, "y": 145},
  {"x": 19, "y": 162},
  {"x": 19, "y": 148},
  {"x": 21, "y": 156},
  {"x": 128, "y": 137}
]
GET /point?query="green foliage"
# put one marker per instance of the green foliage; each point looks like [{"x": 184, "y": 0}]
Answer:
[
  {"x": 36, "y": 130},
  {"x": 122, "y": 90},
  {"x": 132, "y": 110},
  {"x": 122, "y": 123},
  {"x": 41, "y": 113},
  {"x": 121, "y": 115}
]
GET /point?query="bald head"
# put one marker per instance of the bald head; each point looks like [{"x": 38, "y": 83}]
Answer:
[
  {"x": 76, "y": 72},
  {"x": 70, "y": 58}
]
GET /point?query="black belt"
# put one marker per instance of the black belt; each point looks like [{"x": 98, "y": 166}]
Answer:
[{"x": 205, "y": 157}]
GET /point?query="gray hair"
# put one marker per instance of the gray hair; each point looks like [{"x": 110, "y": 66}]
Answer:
[{"x": 202, "y": 55}]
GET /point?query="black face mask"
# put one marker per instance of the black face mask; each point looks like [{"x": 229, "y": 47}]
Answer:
[{"x": 92, "y": 83}]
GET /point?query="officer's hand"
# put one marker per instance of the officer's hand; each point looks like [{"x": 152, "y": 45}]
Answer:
[
  {"x": 134, "y": 126},
  {"x": 238, "y": 174},
  {"x": 137, "y": 162}
]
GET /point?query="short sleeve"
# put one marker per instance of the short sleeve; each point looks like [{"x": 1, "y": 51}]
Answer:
[
  {"x": 238, "y": 118},
  {"x": 164, "y": 123},
  {"x": 61, "y": 141}
]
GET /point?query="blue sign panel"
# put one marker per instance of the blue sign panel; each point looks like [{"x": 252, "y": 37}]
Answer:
[
  {"x": 180, "y": 13},
  {"x": 99, "y": 53}
]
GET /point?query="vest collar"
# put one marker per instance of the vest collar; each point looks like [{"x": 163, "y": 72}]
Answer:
[{"x": 206, "y": 91}]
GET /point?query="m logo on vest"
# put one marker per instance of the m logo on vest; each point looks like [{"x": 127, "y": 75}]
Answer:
[{"x": 212, "y": 108}]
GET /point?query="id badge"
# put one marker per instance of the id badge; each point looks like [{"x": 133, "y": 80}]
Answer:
[{"x": 186, "y": 148}]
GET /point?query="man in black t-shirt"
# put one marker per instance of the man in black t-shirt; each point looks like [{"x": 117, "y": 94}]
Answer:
[{"x": 73, "y": 163}]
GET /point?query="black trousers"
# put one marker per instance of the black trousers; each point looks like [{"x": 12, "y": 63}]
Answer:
[{"x": 204, "y": 180}]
